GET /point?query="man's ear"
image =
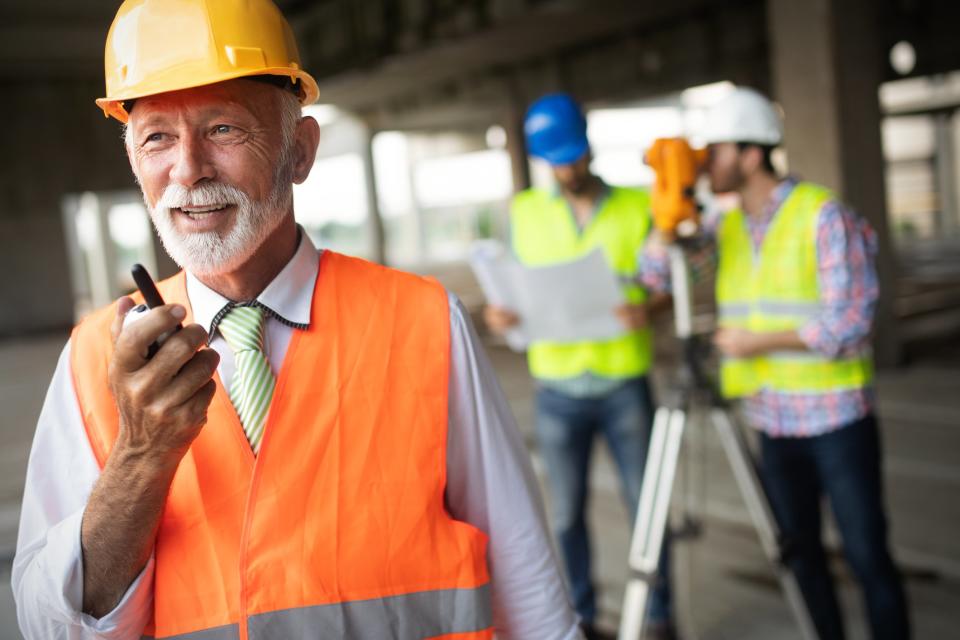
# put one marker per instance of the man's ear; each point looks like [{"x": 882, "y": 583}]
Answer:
[{"x": 306, "y": 141}]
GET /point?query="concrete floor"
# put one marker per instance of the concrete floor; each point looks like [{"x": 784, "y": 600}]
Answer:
[{"x": 725, "y": 587}]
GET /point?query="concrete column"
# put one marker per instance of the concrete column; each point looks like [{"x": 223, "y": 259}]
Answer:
[
  {"x": 100, "y": 253},
  {"x": 955, "y": 178},
  {"x": 420, "y": 230},
  {"x": 378, "y": 240},
  {"x": 948, "y": 222},
  {"x": 827, "y": 67},
  {"x": 516, "y": 143},
  {"x": 517, "y": 148}
]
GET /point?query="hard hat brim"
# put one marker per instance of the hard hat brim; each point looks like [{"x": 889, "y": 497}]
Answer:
[
  {"x": 567, "y": 154},
  {"x": 764, "y": 141},
  {"x": 309, "y": 91}
]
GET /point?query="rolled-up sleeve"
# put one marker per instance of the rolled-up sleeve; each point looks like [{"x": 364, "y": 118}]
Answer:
[
  {"x": 655, "y": 266},
  {"x": 491, "y": 485},
  {"x": 47, "y": 576},
  {"x": 847, "y": 279},
  {"x": 654, "y": 259}
]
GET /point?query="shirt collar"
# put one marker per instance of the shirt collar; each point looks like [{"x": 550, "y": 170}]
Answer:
[
  {"x": 780, "y": 194},
  {"x": 605, "y": 189},
  {"x": 288, "y": 297},
  {"x": 604, "y": 194}
]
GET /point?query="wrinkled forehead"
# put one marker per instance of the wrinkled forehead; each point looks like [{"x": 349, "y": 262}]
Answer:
[{"x": 234, "y": 98}]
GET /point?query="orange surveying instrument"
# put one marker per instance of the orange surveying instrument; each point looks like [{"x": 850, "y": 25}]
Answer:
[{"x": 677, "y": 166}]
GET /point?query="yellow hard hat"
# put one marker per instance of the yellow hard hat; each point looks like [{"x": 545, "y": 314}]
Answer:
[{"x": 155, "y": 46}]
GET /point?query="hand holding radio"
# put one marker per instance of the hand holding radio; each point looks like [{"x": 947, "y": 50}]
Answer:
[{"x": 161, "y": 375}]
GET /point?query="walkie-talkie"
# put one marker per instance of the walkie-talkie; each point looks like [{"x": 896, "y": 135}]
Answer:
[{"x": 153, "y": 299}]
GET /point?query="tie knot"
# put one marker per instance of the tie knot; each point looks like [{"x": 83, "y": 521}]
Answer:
[{"x": 242, "y": 328}]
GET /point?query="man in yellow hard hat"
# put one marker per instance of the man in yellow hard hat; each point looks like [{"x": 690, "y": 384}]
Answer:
[
  {"x": 322, "y": 450},
  {"x": 796, "y": 289}
]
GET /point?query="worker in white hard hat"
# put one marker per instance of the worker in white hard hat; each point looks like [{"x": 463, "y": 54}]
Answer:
[
  {"x": 321, "y": 450},
  {"x": 796, "y": 289}
]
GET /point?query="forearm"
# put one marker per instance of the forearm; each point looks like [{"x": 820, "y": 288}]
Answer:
[
  {"x": 841, "y": 327},
  {"x": 780, "y": 341},
  {"x": 120, "y": 525},
  {"x": 162, "y": 403}
]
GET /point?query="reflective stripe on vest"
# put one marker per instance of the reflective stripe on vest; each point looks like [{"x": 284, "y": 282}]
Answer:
[
  {"x": 544, "y": 232},
  {"x": 778, "y": 291},
  {"x": 229, "y": 632},
  {"x": 427, "y": 614},
  {"x": 340, "y": 519}
]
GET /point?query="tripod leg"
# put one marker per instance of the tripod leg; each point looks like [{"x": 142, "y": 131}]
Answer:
[
  {"x": 651, "y": 523},
  {"x": 738, "y": 454}
]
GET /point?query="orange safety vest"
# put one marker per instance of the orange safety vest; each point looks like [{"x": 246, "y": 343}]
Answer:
[{"x": 337, "y": 529}]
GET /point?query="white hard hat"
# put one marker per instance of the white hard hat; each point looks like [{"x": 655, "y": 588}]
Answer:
[{"x": 743, "y": 115}]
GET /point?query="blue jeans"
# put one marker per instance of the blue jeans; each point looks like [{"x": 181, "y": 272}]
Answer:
[
  {"x": 845, "y": 465},
  {"x": 566, "y": 427}
]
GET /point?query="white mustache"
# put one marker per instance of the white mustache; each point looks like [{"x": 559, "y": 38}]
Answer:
[{"x": 176, "y": 196}]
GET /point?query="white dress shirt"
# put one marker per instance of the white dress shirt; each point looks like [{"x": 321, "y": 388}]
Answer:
[{"x": 490, "y": 485}]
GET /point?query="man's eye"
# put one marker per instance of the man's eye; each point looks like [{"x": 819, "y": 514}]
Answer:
[
  {"x": 222, "y": 129},
  {"x": 154, "y": 137}
]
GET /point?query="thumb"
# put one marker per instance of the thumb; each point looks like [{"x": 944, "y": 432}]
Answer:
[{"x": 124, "y": 305}]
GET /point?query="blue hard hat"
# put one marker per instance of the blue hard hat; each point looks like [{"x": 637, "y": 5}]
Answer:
[{"x": 556, "y": 129}]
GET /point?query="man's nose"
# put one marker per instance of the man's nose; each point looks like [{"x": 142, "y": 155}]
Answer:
[{"x": 193, "y": 164}]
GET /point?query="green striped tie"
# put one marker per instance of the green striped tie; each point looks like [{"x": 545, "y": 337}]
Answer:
[{"x": 252, "y": 387}]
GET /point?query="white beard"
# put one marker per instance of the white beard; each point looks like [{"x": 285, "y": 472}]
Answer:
[{"x": 210, "y": 253}]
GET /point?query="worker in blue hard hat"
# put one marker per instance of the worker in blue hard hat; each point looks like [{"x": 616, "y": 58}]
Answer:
[{"x": 588, "y": 388}]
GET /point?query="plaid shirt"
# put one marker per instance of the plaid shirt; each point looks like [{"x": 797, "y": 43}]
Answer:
[{"x": 846, "y": 248}]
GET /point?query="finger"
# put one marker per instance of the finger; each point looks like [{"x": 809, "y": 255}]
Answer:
[
  {"x": 134, "y": 340},
  {"x": 196, "y": 407},
  {"x": 176, "y": 351},
  {"x": 499, "y": 318},
  {"x": 124, "y": 305},
  {"x": 196, "y": 373},
  {"x": 192, "y": 414}
]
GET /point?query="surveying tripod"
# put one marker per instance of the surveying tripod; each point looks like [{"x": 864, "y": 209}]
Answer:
[{"x": 693, "y": 386}]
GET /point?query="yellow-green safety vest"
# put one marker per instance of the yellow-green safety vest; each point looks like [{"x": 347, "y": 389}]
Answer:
[
  {"x": 778, "y": 291},
  {"x": 544, "y": 232}
]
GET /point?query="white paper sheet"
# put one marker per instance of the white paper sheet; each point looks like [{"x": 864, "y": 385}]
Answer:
[{"x": 565, "y": 302}]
